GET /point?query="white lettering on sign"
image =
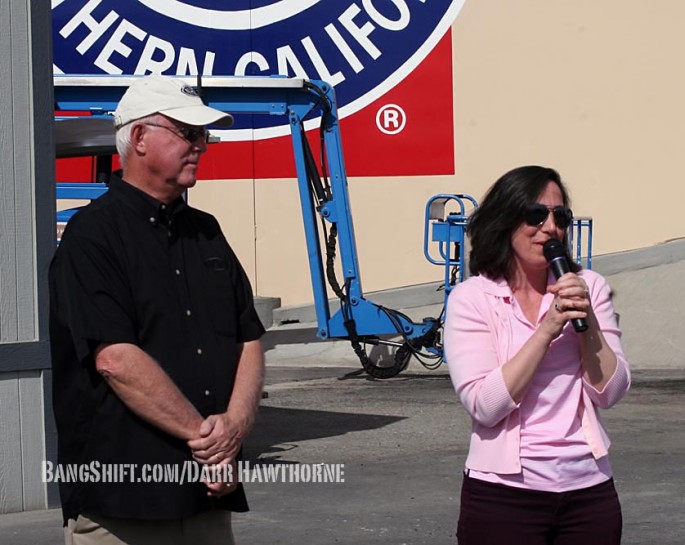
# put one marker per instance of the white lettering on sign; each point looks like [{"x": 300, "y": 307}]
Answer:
[
  {"x": 391, "y": 119},
  {"x": 116, "y": 45},
  {"x": 359, "y": 33},
  {"x": 354, "y": 38},
  {"x": 155, "y": 54},
  {"x": 251, "y": 57},
  {"x": 97, "y": 28},
  {"x": 344, "y": 48},
  {"x": 386, "y": 22}
]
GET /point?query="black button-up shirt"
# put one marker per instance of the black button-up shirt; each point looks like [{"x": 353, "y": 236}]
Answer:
[{"x": 130, "y": 269}]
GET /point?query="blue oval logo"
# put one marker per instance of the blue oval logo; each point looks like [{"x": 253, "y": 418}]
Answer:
[{"x": 363, "y": 48}]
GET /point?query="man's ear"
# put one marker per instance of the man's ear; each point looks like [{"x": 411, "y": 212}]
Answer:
[{"x": 138, "y": 141}]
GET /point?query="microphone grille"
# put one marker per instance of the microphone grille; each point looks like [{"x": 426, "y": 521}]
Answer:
[{"x": 553, "y": 249}]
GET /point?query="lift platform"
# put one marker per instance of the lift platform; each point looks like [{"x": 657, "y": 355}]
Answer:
[{"x": 325, "y": 203}]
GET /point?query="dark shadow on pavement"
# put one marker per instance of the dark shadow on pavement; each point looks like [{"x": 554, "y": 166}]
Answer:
[
  {"x": 275, "y": 337},
  {"x": 276, "y": 428}
]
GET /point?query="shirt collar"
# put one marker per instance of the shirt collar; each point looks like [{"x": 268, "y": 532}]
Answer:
[
  {"x": 146, "y": 206},
  {"x": 500, "y": 288},
  {"x": 497, "y": 287}
]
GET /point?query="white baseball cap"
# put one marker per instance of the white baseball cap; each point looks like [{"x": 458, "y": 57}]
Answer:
[{"x": 168, "y": 96}]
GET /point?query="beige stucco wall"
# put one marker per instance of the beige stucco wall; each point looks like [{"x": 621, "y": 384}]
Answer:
[{"x": 594, "y": 89}]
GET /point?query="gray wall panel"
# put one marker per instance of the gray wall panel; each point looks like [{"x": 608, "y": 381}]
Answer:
[
  {"x": 27, "y": 167},
  {"x": 27, "y": 241},
  {"x": 8, "y": 279},
  {"x": 10, "y": 446},
  {"x": 50, "y": 436},
  {"x": 24, "y": 172},
  {"x": 31, "y": 418}
]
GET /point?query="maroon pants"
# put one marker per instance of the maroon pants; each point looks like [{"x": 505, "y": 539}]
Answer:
[{"x": 493, "y": 514}]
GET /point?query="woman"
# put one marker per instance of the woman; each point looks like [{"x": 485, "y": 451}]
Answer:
[{"x": 538, "y": 470}]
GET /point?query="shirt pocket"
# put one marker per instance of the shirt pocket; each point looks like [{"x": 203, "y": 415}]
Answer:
[{"x": 221, "y": 298}]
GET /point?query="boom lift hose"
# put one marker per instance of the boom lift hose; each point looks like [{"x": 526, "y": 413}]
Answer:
[{"x": 321, "y": 192}]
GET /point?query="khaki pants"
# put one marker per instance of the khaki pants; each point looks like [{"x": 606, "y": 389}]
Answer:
[{"x": 210, "y": 528}]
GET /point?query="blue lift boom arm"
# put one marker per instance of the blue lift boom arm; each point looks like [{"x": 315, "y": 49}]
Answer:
[{"x": 298, "y": 100}]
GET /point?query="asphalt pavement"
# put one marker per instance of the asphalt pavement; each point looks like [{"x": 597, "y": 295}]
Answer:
[{"x": 403, "y": 442}]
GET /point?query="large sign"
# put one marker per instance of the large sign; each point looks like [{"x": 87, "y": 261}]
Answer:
[{"x": 369, "y": 50}]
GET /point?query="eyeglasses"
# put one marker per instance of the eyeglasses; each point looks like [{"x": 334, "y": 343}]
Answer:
[
  {"x": 191, "y": 134},
  {"x": 536, "y": 214}
]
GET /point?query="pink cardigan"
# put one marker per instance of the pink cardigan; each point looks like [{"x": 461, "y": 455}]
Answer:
[{"x": 477, "y": 341}]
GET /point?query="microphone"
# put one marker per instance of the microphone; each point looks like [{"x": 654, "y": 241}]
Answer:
[{"x": 555, "y": 254}]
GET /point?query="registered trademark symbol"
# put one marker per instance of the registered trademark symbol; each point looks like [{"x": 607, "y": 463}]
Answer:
[{"x": 391, "y": 119}]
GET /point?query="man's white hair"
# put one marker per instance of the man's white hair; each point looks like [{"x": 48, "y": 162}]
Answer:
[{"x": 123, "y": 137}]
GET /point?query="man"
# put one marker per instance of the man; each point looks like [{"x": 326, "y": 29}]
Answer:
[{"x": 157, "y": 362}]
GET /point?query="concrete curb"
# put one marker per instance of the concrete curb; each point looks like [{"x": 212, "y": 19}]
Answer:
[
  {"x": 404, "y": 297},
  {"x": 665, "y": 253}
]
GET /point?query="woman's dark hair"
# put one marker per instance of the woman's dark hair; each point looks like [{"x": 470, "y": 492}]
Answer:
[{"x": 501, "y": 212}]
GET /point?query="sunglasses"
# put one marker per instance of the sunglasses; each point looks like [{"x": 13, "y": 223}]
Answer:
[
  {"x": 536, "y": 214},
  {"x": 191, "y": 134}
]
